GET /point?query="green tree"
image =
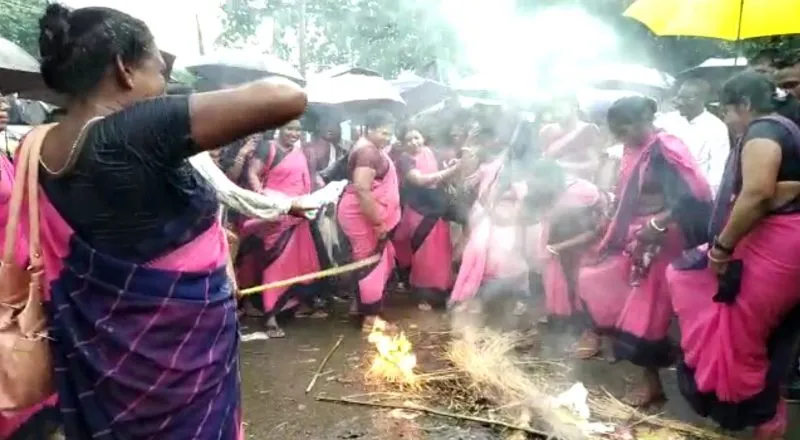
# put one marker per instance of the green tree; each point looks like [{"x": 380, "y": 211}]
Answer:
[
  {"x": 19, "y": 22},
  {"x": 385, "y": 35}
]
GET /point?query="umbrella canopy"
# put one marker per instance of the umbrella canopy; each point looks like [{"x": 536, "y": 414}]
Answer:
[
  {"x": 594, "y": 103},
  {"x": 238, "y": 66},
  {"x": 344, "y": 69},
  {"x": 19, "y": 70},
  {"x": 715, "y": 70},
  {"x": 723, "y": 19},
  {"x": 353, "y": 95},
  {"x": 419, "y": 93},
  {"x": 615, "y": 75}
]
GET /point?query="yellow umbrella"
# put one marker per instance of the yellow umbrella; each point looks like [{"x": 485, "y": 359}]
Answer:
[{"x": 730, "y": 20}]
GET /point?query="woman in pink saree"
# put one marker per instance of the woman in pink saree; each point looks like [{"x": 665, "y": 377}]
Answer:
[
  {"x": 276, "y": 250},
  {"x": 738, "y": 299},
  {"x": 573, "y": 143},
  {"x": 369, "y": 211},
  {"x": 141, "y": 312},
  {"x": 571, "y": 231},
  {"x": 422, "y": 239},
  {"x": 664, "y": 203},
  {"x": 497, "y": 255}
]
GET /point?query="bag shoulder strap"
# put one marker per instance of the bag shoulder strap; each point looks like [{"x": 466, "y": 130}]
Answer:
[
  {"x": 26, "y": 176},
  {"x": 34, "y": 243}
]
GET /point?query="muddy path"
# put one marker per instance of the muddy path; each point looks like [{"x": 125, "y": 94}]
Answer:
[{"x": 276, "y": 372}]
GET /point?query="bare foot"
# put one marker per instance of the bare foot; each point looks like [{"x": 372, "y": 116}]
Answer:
[
  {"x": 273, "y": 330},
  {"x": 588, "y": 346},
  {"x": 649, "y": 393}
]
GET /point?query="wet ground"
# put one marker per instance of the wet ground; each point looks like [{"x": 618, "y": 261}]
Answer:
[{"x": 276, "y": 372}]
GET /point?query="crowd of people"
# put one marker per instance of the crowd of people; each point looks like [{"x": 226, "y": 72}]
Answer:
[{"x": 692, "y": 221}]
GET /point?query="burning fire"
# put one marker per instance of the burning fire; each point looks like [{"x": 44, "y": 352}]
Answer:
[{"x": 394, "y": 360}]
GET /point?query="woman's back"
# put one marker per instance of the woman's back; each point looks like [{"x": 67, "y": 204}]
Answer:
[{"x": 131, "y": 185}]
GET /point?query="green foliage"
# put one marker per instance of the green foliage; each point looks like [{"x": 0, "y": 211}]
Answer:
[
  {"x": 385, "y": 35},
  {"x": 19, "y": 22}
]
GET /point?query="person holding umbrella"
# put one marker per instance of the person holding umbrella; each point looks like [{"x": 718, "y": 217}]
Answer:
[{"x": 134, "y": 253}]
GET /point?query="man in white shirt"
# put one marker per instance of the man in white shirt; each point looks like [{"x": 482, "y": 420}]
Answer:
[{"x": 707, "y": 136}]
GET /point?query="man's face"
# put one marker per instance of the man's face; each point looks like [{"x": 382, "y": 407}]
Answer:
[
  {"x": 688, "y": 101},
  {"x": 789, "y": 79}
]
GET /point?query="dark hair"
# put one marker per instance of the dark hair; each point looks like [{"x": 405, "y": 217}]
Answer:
[
  {"x": 404, "y": 129},
  {"x": 700, "y": 85},
  {"x": 547, "y": 180},
  {"x": 750, "y": 87},
  {"x": 632, "y": 110},
  {"x": 378, "y": 118},
  {"x": 77, "y": 46}
]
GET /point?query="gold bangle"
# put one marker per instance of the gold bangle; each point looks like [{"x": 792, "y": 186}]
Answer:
[
  {"x": 655, "y": 226},
  {"x": 716, "y": 260}
]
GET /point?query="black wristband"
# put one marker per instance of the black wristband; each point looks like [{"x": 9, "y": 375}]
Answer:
[{"x": 718, "y": 245}]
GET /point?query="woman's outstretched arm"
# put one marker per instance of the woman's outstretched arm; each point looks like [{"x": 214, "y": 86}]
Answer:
[{"x": 221, "y": 117}]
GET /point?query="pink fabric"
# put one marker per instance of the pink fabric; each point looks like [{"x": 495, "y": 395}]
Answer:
[
  {"x": 6, "y": 185},
  {"x": 290, "y": 176},
  {"x": 612, "y": 303},
  {"x": 430, "y": 264},
  {"x": 362, "y": 235},
  {"x": 493, "y": 248},
  {"x": 726, "y": 344},
  {"x": 644, "y": 310},
  {"x": 558, "y": 301},
  {"x": 675, "y": 152}
]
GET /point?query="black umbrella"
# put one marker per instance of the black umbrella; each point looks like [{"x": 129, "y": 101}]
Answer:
[
  {"x": 19, "y": 70},
  {"x": 420, "y": 93},
  {"x": 238, "y": 66}
]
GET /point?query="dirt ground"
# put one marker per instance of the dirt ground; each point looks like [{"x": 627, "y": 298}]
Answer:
[{"x": 276, "y": 372}]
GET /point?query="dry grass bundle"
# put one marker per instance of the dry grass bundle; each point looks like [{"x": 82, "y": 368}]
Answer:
[
  {"x": 608, "y": 407},
  {"x": 490, "y": 361}
]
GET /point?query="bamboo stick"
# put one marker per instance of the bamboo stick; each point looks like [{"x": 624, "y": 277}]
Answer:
[
  {"x": 323, "y": 363},
  {"x": 435, "y": 412},
  {"x": 312, "y": 276}
]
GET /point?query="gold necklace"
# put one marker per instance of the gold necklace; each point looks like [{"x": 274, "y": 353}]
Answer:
[{"x": 70, "y": 161}]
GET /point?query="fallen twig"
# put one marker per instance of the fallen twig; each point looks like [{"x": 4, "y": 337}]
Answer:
[
  {"x": 435, "y": 412},
  {"x": 318, "y": 373}
]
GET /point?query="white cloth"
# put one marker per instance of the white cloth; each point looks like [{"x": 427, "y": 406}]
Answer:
[
  {"x": 264, "y": 206},
  {"x": 708, "y": 140}
]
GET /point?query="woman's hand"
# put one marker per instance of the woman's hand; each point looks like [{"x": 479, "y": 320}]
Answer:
[
  {"x": 651, "y": 234},
  {"x": 718, "y": 261},
  {"x": 300, "y": 208}
]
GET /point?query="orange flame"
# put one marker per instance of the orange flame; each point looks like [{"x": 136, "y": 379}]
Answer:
[{"x": 394, "y": 360}]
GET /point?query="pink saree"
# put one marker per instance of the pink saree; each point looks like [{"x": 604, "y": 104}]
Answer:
[
  {"x": 364, "y": 241},
  {"x": 737, "y": 340},
  {"x": 621, "y": 297},
  {"x": 494, "y": 257},
  {"x": 277, "y": 250},
  {"x": 575, "y": 212},
  {"x": 422, "y": 242}
]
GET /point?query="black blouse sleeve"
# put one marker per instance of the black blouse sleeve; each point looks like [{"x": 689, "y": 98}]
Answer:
[{"x": 155, "y": 133}]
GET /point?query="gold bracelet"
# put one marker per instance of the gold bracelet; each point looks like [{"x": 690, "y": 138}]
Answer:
[
  {"x": 655, "y": 226},
  {"x": 716, "y": 260}
]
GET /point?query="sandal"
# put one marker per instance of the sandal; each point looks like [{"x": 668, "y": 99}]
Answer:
[{"x": 588, "y": 346}]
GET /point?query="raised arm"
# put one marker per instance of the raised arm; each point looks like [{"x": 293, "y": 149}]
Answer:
[{"x": 218, "y": 118}]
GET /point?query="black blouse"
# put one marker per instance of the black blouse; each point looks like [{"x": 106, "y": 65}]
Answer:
[{"x": 132, "y": 192}]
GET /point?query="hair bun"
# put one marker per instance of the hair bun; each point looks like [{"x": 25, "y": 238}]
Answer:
[{"x": 54, "y": 31}]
